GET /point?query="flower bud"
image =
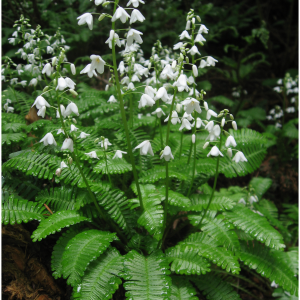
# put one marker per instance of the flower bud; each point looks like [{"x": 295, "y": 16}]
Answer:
[
  {"x": 229, "y": 152},
  {"x": 205, "y": 145},
  {"x": 58, "y": 172},
  {"x": 178, "y": 107},
  {"x": 193, "y": 138},
  {"x": 234, "y": 126},
  {"x": 96, "y": 140},
  {"x": 174, "y": 63},
  {"x": 193, "y": 20},
  {"x": 74, "y": 121},
  {"x": 187, "y": 59},
  {"x": 73, "y": 92},
  {"x": 102, "y": 16},
  {"x": 133, "y": 59},
  {"x": 188, "y": 25},
  {"x": 70, "y": 160},
  {"x": 223, "y": 122},
  {"x": 54, "y": 60},
  {"x": 181, "y": 56},
  {"x": 73, "y": 69},
  {"x": 231, "y": 117},
  {"x": 198, "y": 18},
  {"x": 105, "y": 3},
  {"x": 195, "y": 71},
  {"x": 205, "y": 105},
  {"x": 46, "y": 88},
  {"x": 149, "y": 66}
]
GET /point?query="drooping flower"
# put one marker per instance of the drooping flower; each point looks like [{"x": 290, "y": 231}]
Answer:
[
  {"x": 159, "y": 112},
  {"x": 42, "y": 112},
  {"x": 40, "y": 102},
  {"x": 136, "y": 16},
  {"x": 63, "y": 165},
  {"x": 60, "y": 131},
  {"x": 68, "y": 144},
  {"x": 184, "y": 34},
  {"x": 73, "y": 128},
  {"x": 113, "y": 36},
  {"x": 167, "y": 154},
  {"x": 83, "y": 135},
  {"x": 120, "y": 14},
  {"x": 112, "y": 99},
  {"x": 162, "y": 94},
  {"x": 86, "y": 18},
  {"x": 73, "y": 69},
  {"x": 48, "y": 139},
  {"x": 146, "y": 101},
  {"x": 181, "y": 83},
  {"x": 214, "y": 152},
  {"x": 203, "y": 29},
  {"x": 230, "y": 141},
  {"x": 135, "y": 3},
  {"x": 234, "y": 126},
  {"x": 61, "y": 84},
  {"x": 88, "y": 70},
  {"x": 185, "y": 124},
  {"x": 199, "y": 38},
  {"x": 178, "y": 45},
  {"x": 33, "y": 82},
  {"x": 134, "y": 35},
  {"x": 191, "y": 104},
  {"x": 174, "y": 118},
  {"x": 239, "y": 156},
  {"x": 214, "y": 133},
  {"x": 229, "y": 152},
  {"x": 119, "y": 154},
  {"x": 47, "y": 69},
  {"x": 211, "y": 113},
  {"x": 199, "y": 122},
  {"x": 70, "y": 83},
  {"x": 97, "y": 63},
  {"x": 104, "y": 144},
  {"x": 193, "y": 138},
  {"x": 202, "y": 64},
  {"x": 195, "y": 70},
  {"x": 150, "y": 91},
  {"x": 188, "y": 116},
  {"x": 62, "y": 110},
  {"x": 194, "y": 50},
  {"x": 210, "y": 61},
  {"x": 72, "y": 107},
  {"x": 92, "y": 154},
  {"x": 145, "y": 147}
]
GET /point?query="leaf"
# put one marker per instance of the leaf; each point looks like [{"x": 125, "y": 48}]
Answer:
[
  {"x": 101, "y": 280},
  {"x": 185, "y": 260},
  {"x": 146, "y": 277},
  {"x": 81, "y": 250},
  {"x": 20, "y": 210},
  {"x": 221, "y": 99},
  {"x": 260, "y": 185},
  {"x": 56, "y": 222},
  {"x": 181, "y": 289},
  {"x": 13, "y": 127},
  {"x": 114, "y": 166},
  {"x": 8, "y": 138},
  {"x": 257, "y": 226}
]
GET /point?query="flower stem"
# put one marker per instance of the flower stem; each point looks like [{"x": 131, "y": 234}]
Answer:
[
  {"x": 107, "y": 168},
  {"x": 124, "y": 116},
  {"x": 181, "y": 138}
]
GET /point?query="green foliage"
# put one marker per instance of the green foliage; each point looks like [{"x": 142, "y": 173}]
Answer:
[
  {"x": 9, "y": 138},
  {"x": 113, "y": 166},
  {"x": 182, "y": 289}
]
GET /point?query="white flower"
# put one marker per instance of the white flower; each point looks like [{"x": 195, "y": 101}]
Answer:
[
  {"x": 48, "y": 139},
  {"x": 185, "y": 124},
  {"x": 73, "y": 69},
  {"x": 159, "y": 112},
  {"x": 205, "y": 145},
  {"x": 92, "y": 154},
  {"x": 229, "y": 152},
  {"x": 135, "y": 3},
  {"x": 105, "y": 143},
  {"x": 63, "y": 165},
  {"x": 203, "y": 29},
  {"x": 181, "y": 83},
  {"x": 23, "y": 82},
  {"x": 112, "y": 99},
  {"x": 150, "y": 91},
  {"x": 58, "y": 172},
  {"x": 67, "y": 144},
  {"x": 73, "y": 128},
  {"x": 273, "y": 284},
  {"x": 174, "y": 118},
  {"x": 202, "y": 64},
  {"x": 12, "y": 41},
  {"x": 121, "y": 67},
  {"x": 47, "y": 69},
  {"x": 214, "y": 133},
  {"x": 89, "y": 71},
  {"x": 72, "y": 107},
  {"x": 253, "y": 199},
  {"x": 119, "y": 154},
  {"x": 230, "y": 141},
  {"x": 62, "y": 109},
  {"x": 199, "y": 38},
  {"x": 130, "y": 86},
  {"x": 49, "y": 50},
  {"x": 120, "y": 14},
  {"x": 239, "y": 156},
  {"x": 191, "y": 104},
  {"x": 162, "y": 94},
  {"x": 234, "y": 126},
  {"x": 184, "y": 34},
  {"x": 199, "y": 123},
  {"x": 214, "y": 152},
  {"x": 60, "y": 131},
  {"x": 178, "y": 45},
  {"x": 223, "y": 122},
  {"x": 136, "y": 16},
  {"x": 42, "y": 112},
  {"x": 113, "y": 36},
  {"x": 167, "y": 72},
  {"x": 86, "y": 18},
  {"x": 70, "y": 83},
  {"x": 83, "y": 135},
  {"x": 61, "y": 84},
  {"x": 195, "y": 70},
  {"x": 193, "y": 138},
  {"x": 205, "y": 105},
  {"x": 209, "y": 126},
  {"x": 211, "y": 61},
  {"x": 125, "y": 80},
  {"x": 145, "y": 147},
  {"x": 134, "y": 35},
  {"x": 97, "y": 63},
  {"x": 242, "y": 200},
  {"x": 188, "y": 25},
  {"x": 135, "y": 78},
  {"x": 188, "y": 116},
  {"x": 33, "y": 82},
  {"x": 211, "y": 113},
  {"x": 98, "y": 2},
  {"x": 194, "y": 50},
  {"x": 146, "y": 101},
  {"x": 14, "y": 81},
  {"x": 167, "y": 154},
  {"x": 40, "y": 102}
]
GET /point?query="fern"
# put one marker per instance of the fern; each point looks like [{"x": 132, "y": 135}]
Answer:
[
  {"x": 114, "y": 166},
  {"x": 181, "y": 289},
  {"x": 146, "y": 277},
  {"x": 100, "y": 280},
  {"x": 271, "y": 264},
  {"x": 99, "y": 110},
  {"x": 13, "y": 127},
  {"x": 260, "y": 185},
  {"x": 56, "y": 222},
  {"x": 257, "y": 226},
  {"x": 185, "y": 260},
  {"x": 17, "y": 210},
  {"x": 8, "y": 138},
  {"x": 81, "y": 250},
  {"x": 215, "y": 288}
]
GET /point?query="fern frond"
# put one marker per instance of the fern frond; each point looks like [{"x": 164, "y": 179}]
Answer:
[
  {"x": 56, "y": 222},
  {"x": 146, "y": 276},
  {"x": 260, "y": 185},
  {"x": 102, "y": 109},
  {"x": 9, "y": 138},
  {"x": 257, "y": 226},
  {"x": 17, "y": 210},
  {"x": 13, "y": 127},
  {"x": 181, "y": 289},
  {"x": 81, "y": 250},
  {"x": 143, "y": 242},
  {"x": 215, "y": 288},
  {"x": 185, "y": 260},
  {"x": 269, "y": 263},
  {"x": 100, "y": 280},
  {"x": 114, "y": 166}
]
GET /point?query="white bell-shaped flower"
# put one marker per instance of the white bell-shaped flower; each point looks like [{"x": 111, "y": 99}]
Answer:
[
  {"x": 120, "y": 14},
  {"x": 214, "y": 133},
  {"x": 73, "y": 69},
  {"x": 89, "y": 71},
  {"x": 47, "y": 69},
  {"x": 211, "y": 113},
  {"x": 203, "y": 29},
  {"x": 162, "y": 94},
  {"x": 71, "y": 108},
  {"x": 113, "y": 36},
  {"x": 191, "y": 104},
  {"x": 193, "y": 138},
  {"x": 68, "y": 144},
  {"x": 83, "y": 135},
  {"x": 119, "y": 154},
  {"x": 199, "y": 122},
  {"x": 112, "y": 99},
  {"x": 181, "y": 83},
  {"x": 210, "y": 61},
  {"x": 97, "y": 63},
  {"x": 42, "y": 112},
  {"x": 184, "y": 35},
  {"x": 73, "y": 128},
  {"x": 194, "y": 50},
  {"x": 136, "y": 16},
  {"x": 134, "y": 35},
  {"x": 230, "y": 141},
  {"x": 174, "y": 118},
  {"x": 135, "y": 3},
  {"x": 185, "y": 124},
  {"x": 145, "y": 147},
  {"x": 104, "y": 144},
  {"x": 146, "y": 101},
  {"x": 195, "y": 70},
  {"x": 61, "y": 84},
  {"x": 63, "y": 165},
  {"x": 60, "y": 130},
  {"x": 167, "y": 154},
  {"x": 203, "y": 64},
  {"x": 214, "y": 152},
  {"x": 40, "y": 102},
  {"x": 188, "y": 116},
  {"x": 199, "y": 38},
  {"x": 48, "y": 139},
  {"x": 150, "y": 91},
  {"x": 234, "y": 126},
  {"x": 178, "y": 46},
  {"x": 86, "y": 18},
  {"x": 70, "y": 83},
  {"x": 229, "y": 152},
  {"x": 239, "y": 157},
  {"x": 62, "y": 110},
  {"x": 92, "y": 154},
  {"x": 159, "y": 112}
]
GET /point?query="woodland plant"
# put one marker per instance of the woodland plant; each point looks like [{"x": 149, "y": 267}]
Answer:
[{"x": 130, "y": 191}]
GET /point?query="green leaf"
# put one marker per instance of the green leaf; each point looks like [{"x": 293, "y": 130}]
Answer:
[
  {"x": 56, "y": 222},
  {"x": 146, "y": 277},
  {"x": 114, "y": 166},
  {"x": 100, "y": 280},
  {"x": 8, "y": 138},
  {"x": 221, "y": 99},
  {"x": 257, "y": 226},
  {"x": 269, "y": 263},
  {"x": 260, "y": 185},
  {"x": 17, "y": 210},
  {"x": 13, "y": 127},
  {"x": 181, "y": 289},
  {"x": 81, "y": 250}
]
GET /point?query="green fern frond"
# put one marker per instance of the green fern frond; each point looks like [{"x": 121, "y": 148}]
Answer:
[
  {"x": 102, "y": 109},
  {"x": 100, "y": 280},
  {"x": 58, "y": 251},
  {"x": 12, "y": 118},
  {"x": 114, "y": 166},
  {"x": 269, "y": 263},
  {"x": 221, "y": 99},
  {"x": 175, "y": 198},
  {"x": 257, "y": 226},
  {"x": 81, "y": 250},
  {"x": 185, "y": 260},
  {"x": 143, "y": 242},
  {"x": 56, "y": 222},
  {"x": 146, "y": 276},
  {"x": 17, "y": 210},
  {"x": 215, "y": 288},
  {"x": 181, "y": 289},
  {"x": 13, "y": 127},
  {"x": 143, "y": 121},
  {"x": 260, "y": 185},
  {"x": 9, "y": 138}
]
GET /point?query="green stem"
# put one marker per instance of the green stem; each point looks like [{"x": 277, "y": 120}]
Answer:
[
  {"x": 194, "y": 168},
  {"x": 215, "y": 183},
  {"x": 124, "y": 116},
  {"x": 107, "y": 167},
  {"x": 181, "y": 138}
]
